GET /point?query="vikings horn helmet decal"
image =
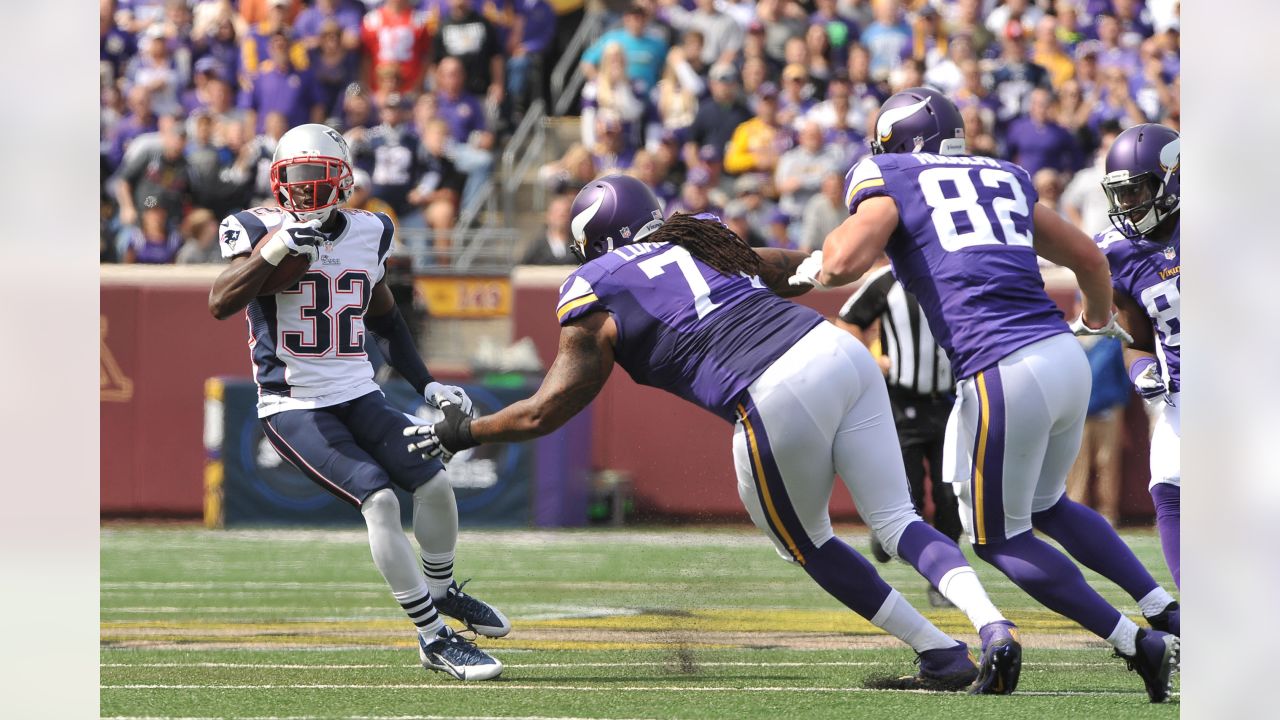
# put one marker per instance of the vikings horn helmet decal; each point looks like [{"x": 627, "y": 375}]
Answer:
[
  {"x": 919, "y": 120},
  {"x": 612, "y": 211}
]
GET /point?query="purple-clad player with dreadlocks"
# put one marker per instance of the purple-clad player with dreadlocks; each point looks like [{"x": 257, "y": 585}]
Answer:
[
  {"x": 687, "y": 306},
  {"x": 963, "y": 233}
]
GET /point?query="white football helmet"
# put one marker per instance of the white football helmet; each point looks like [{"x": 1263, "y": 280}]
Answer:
[{"x": 311, "y": 172}]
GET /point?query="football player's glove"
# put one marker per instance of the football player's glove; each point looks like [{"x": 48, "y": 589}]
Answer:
[
  {"x": 1111, "y": 329},
  {"x": 438, "y": 393},
  {"x": 1145, "y": 374},
  {"x": 808, "y": 271},
  {"x": 294, "y": 239},
  {"x": 446, "y": 438}
]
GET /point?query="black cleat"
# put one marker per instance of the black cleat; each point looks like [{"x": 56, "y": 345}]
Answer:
[
  {"x": 479, "y": 616},
  {"x": 1155, "y": 662},
  {"x": 452, "y": 654},
  {"x": 1168, "y": 620},
  {"x": 946, "y": 670},
  {"x": 1001, "y": 662}
]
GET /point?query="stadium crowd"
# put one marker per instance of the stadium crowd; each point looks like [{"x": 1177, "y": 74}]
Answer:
[{"x": 751, "y": 110}]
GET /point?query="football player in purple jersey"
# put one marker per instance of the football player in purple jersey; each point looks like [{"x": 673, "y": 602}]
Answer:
[
  {"x": 963, "y": 233},
  {"x": 686, "y": 306},
  {"x": 1143, "y": 186}
]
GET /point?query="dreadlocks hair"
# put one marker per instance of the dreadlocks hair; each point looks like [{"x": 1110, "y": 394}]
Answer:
[{"x": 710, "y": 242}]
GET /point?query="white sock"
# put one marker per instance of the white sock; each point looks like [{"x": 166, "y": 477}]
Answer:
[
  {"x": 1154, "y": 602},
  {"x": 1125, "y": 637},
  {"x": 394, "y": 558},
  {"x": 962, "y": 587},
  {"x": 898, "y": 618}
]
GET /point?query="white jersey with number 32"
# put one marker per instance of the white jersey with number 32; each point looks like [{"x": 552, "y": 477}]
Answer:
[{"x": 307, "y": 341}]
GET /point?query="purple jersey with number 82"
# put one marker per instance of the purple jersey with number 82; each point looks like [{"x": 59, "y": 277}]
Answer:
[
  {"x": 683, "y": 326},
  {"x": 963, "y": 248}
]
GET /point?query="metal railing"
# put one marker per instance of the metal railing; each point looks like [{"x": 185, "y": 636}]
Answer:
[
  {"x": 482, "y": 250},
  {"x": 567, "y": 78},
  {"x": 522, "y": 151}
]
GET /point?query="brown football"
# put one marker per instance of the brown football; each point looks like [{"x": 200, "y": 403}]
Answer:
[{"x": 287, "y": 273}]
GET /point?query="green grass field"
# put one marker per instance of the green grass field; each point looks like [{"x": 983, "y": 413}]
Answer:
[{"x": 607, "y": 624}]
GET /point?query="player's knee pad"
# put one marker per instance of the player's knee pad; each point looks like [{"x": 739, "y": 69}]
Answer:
[
  {"x": 435, "y": 491},
  {"x": 381, "y": 508},
  {"x": 889, "y": 529}
]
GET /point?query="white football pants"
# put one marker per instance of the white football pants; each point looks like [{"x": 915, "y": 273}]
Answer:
[
  {"x": 1166, "y": 444},
  {"x": 820, "y": 409}
]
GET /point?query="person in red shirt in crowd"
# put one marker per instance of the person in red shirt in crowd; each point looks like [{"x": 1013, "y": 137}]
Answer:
[{"x": 396, "y": 35}]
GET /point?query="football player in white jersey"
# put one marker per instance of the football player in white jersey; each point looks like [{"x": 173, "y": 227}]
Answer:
[{"x": 317, "y": 401}]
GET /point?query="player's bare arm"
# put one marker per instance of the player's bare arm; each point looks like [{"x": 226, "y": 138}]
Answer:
[
  {"x": 582, "y": 365},
  {"x": 776, "y": 266},
  {"x": 238, "y": 285},
  {"x": 1138, "y": 323},
  {"x": 853, "y": 247},
  {"x": 1060, "y": 242}
]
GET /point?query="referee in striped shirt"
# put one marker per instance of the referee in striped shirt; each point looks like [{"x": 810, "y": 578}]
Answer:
[{"x": 921, "y": 391}]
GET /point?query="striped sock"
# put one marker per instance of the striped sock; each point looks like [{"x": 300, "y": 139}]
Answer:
[
  {"x": 418, "y": 606},
  {"x": 438, "y": 567}
]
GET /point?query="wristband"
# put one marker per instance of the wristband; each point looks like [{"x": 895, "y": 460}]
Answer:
[
  {"x": 1138, "y": 367},
  {"x": 274, "y": 250}
]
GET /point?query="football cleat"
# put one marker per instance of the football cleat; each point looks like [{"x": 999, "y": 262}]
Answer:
[
  {"x": 878, "y": 551},
  {"x": 1001, "y": 662},
  {"x": 457, "y": 656},
  {"x": 479, "y": 616},
  {"x": 945, "y": 670},
  {"x": 1155, "y": 662},
  {"x": 1168, "y": 620}
]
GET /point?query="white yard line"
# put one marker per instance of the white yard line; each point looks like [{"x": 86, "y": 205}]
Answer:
[
  {"x": 580, "y": 688},
  {"x": 523, "y": 666}
]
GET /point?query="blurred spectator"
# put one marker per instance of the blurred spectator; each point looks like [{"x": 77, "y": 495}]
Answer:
[
  {"x": 313, "y": 21},
  {"x": 749, "y": 192},
  {"x": 529, "y": 62},
  {"x": 1022, "y": 12},
  {"x": 690, "y": 54},
  {"x": 1101, "y": 445},
  {"x": 220, "y": 42},
  {"x": 1073, "y": 110},
  {"x": 865, "y": 92},
  {"x": 840, "y": 31},
  {"x": 278, "y": 86},
  {"x": 471, "y": 148},
  {"x": 1067, "y": 18},
  {"x": 221, "y": 175},
  {"x": 718, "y": 114},
  {"x": 395, "y": 38},
  {"x": 570, "y": 173},
  {"x": 611, "y": 149},
  {"x": 645, "y": 52},
  {"x": 466, "y": 35},
  {"x": 778, "y": 234},
  {"x": 695, "y": 195},
  {"x": 1115, "y": 101},
  {"x": 389, "y": 153},
  {"x": 753, "y": 51},
  {"x": 823, "y": 212},
  {"x": 136, "y": 15},
  {"x": 888, "y": 38},
  {"x": 946, "y": 75},
  {"x": 1048, "y": 184},
  {"x": 677, "y": 92},
  {"x": 154, "y": 69},
  {"x": 613, "y": 91},
  {"x": 795, "y": 99},
  {"x": 115, "y": 45},
  {"x": 801, "y": 171},
  {"x": 258, "y": 10},
  {"x": 1134, "y": 22},
  {"x": 978, "y": 123},
  {"x": 1152, "y": 91},
  {"x": 334, "y": 66},
  {"x": 153, "y": 242},
  {"x": 203, "y": 94},
  {"x": 362, "y": 196},
  {"x": 757, "y": 143},
  {"x": 930, "y": 39},
  {"x": 966, "y": 20},
  {"x": 820, "y": 67},
  {"x": 357, "y": 112},
  {"x": 259, "y": 150},
  {"x": 646, "y": 168},
  {"x": 721, "y": 36},
  {"x": 909, "y": 74},
  {"x": 1047, "y": 52},
  {"x": 735, "y": 218},
  {"x": 154, "y": 176},
  {"x": 1035, "y": 141},
  {"x": 779, "y": 21},
  {"x": 1083, "y": 201},
  {"x": 552, "y": 248},
  {"x": 1113, "y": 54},
  {"x": 1015, "y": 76},
  {"x": 1168, "y": 43},
  {"x": 139, "y": 120},
  {"x": 439, "y": 191},
  {"x": 199, "y": 233},
  {"x": 256, "y": 46}
]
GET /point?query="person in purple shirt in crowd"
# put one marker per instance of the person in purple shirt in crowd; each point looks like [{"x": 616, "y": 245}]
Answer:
[
  {"x": 154, "y": 242},
  {"x": 686, "y": 306},
  {"x": 332, "y": 68},
  {"x": 695, "y": 195},
  {"x": 154, "y": 68},
  {"x": 1134, "y": 20},
  {"x": 1112, "y": 52},
  {"x": 221, "y": 44},
  {"x": 139, "y": 120},
  {"x": 527, "y": 74},
  {"x": 115, "y": 45},
  {"x": 1036, "y": 141},
  {"x": 472, "y": 148},
  {"x": 963, "y": 234},
  {"x": 311, "y": 22},
  {"x": 1143, "y": 184},
  {"x": 1115, "y": 101},
  {"x": 136, "y": 15},
  {"x": 278, "y": 87}
]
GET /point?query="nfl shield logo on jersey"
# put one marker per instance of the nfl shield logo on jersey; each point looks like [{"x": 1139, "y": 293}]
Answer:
[{"x": 1170, "y": 253}]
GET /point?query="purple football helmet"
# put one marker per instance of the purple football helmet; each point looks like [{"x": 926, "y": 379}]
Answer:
[
  {"x": 1142, "y": 181},
  {"x": 919, "y": 120},
  {"x": 612, "y": 211}
]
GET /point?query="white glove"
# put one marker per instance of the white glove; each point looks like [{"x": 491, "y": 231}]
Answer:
[
  {"x": 1111, "y": 329},
  {"x": 808, "y": 271},
  {"x": 438, "y": 393},
  {"x": 1149, "y": 384},
  {"x": 294, "y": 239}
]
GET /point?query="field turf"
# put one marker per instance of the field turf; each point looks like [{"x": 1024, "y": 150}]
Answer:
[{"x": 647, "y": 623}]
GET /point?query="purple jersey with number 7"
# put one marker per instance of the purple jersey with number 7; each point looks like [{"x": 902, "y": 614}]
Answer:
[
  {"x": 963, "y": 248},
  {"x": 684, "y": 326}
]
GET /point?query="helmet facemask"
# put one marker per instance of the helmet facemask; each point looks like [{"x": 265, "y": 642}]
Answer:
[
  {"x": 311, "y": 186},
  {"x": 1137, "y": 203}
]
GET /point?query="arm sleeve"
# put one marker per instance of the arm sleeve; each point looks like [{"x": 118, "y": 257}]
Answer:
[
  {"x": 396, "y": 344},
  {"x": 870, "y": 301}
]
